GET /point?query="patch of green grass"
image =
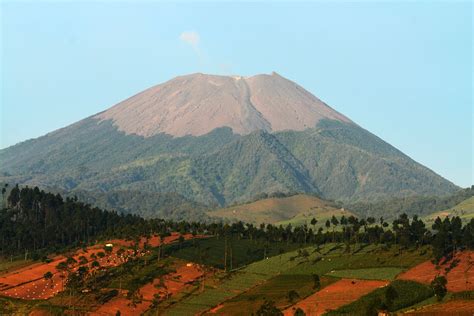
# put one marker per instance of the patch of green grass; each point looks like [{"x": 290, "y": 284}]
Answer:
[
  {"x": 408, "y": 293},
  {"x": 386, "y": 273}
]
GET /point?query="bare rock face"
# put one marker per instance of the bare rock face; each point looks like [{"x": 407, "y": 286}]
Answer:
[{"x": 196, "y": 104}]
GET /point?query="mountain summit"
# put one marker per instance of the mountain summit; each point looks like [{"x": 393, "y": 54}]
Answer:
[{"x": 196, "y": 104}]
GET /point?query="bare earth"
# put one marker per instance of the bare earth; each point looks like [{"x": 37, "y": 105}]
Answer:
[
  {"x": 335, "y": 295},
  {"x": 460, "y": 278},
  {"x": 198, "y": 103}
]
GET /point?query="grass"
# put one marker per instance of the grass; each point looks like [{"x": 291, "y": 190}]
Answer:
[
  {"x": 408, "y": 294},
  {"x": 385, "y": 273}
]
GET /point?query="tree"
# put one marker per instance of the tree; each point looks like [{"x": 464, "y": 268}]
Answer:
[
  {"x": 439, "y": 287},
  {"x": 390, "y": 296},
  {"x": 299, "y": 312},
  {"x": 268, "y": 308},
  {"x": 316, "y": 282},
  {"x": 48, "y": 276},
  {"x": 292, "y": 296}
]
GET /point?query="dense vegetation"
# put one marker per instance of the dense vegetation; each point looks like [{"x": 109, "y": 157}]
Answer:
[
  {"x": 34, "y": 220},
  {"x": 333, "y": 160}
]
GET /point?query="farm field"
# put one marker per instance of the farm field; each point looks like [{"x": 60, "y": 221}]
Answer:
[
  {"x": 460, "y": 277},
  {"x": 255, "y": 278},
  {"x": 388, "y": 273},
  {"x": 276, "y": 289},
  {"x": 335, "y": 295},
  {"x": 407, "y": 293},
  {"x": 456, "y": 307},
  {"x": 161, "y": 288},
  {"x": 28, "y": 282},
  {"x": 349, "y": 279}
]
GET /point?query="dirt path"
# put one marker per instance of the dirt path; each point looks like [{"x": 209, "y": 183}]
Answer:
[{"x": 335, "y": 295}]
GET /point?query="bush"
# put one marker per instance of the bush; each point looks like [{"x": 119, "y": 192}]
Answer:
[{"x": 106, "y": 296}]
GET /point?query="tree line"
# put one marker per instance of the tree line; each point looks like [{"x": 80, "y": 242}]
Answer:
[{"x": 34, "y": 221}]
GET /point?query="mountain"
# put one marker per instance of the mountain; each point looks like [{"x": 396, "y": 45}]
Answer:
[
  {"x": 296, "y": 209},
  {"x": 215, "y": 141}
]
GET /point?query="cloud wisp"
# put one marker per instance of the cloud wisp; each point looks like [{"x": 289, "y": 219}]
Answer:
[{"x": 192, "y": 38}]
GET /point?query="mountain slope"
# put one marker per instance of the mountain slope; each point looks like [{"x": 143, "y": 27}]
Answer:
[{"x": 289, "y": 141}]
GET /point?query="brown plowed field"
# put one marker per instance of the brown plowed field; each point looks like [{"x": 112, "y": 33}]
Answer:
[
  {"x": 458, "y": 308},
  {"x": 29, "y": 283},
  {"x": 335, "y": 295},
  {"x": 460, "y": 278},
  {"x": 173, "y": 283}
]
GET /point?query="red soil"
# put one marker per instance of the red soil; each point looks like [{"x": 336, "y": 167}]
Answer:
[
  {"x": 449, "y": 308},
  {"x": 335, "y": 295},
  {"x": 29, "y": 283},
  {"x": 460, "y": 278},
  {"x": 173, "y": 283},
  {"x": 154, "y": 241}
]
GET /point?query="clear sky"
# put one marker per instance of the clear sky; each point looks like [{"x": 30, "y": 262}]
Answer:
[{"x": 402, "y": 70}]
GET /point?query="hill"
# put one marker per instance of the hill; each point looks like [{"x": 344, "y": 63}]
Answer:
[
  {"x": 297, "y": 210},
  {"x": 411, "y": 205},
  {"x": 149, "y": 144},
  {"x": 465, "y": 210}
]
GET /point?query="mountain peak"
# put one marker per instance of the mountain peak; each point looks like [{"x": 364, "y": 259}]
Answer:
[{"x": 198, "y": 103}]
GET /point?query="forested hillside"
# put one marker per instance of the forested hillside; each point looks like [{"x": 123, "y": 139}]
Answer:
[{"x": 335, "y": 160}]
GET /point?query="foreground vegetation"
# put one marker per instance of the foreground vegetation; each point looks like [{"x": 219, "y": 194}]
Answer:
[{"x": 261, "y": 266}]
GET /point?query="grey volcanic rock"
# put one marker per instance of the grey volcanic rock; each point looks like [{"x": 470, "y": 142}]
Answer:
[{"x": 197, "y": 104}]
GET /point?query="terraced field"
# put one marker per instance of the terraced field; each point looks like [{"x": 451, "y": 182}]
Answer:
[{"x": 248, "y": 284}]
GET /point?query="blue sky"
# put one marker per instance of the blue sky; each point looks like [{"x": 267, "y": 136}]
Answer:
[{"x": 402, "y": 70}]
